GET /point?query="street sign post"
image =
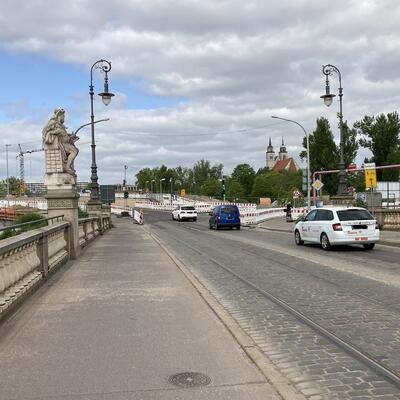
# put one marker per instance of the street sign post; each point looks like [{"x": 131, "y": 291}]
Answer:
[{"x": 370, "y": 176}]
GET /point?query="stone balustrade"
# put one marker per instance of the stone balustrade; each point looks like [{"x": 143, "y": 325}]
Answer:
[
  {"x": 26, "y": 259},
  {"x": 388, "y": 219},
  {"x": 89, "y": 228}
]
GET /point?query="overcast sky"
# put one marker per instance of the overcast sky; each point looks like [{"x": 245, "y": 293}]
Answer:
[{"x": 192, "y": 79}]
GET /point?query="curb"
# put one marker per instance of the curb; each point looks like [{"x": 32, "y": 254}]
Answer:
[{"x": 389, "y": 243}]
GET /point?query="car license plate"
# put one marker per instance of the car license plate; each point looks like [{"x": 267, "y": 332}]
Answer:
[{"x": 361, "y": 238}]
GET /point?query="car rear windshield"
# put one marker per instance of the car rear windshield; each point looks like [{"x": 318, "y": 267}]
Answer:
[
  {"x": 188, "y": 208},
  {"x": 229, "y": 210},
  {"x": 354, "y": 214}
]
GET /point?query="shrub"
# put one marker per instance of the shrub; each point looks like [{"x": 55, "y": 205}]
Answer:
[
  {"x": 6, "y": 234},
  {"x": 82, "y": 214},
  {"x": 31, "y": 217}
]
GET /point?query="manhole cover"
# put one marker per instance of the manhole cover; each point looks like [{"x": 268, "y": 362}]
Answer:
[{"x": 189, "y": 379}]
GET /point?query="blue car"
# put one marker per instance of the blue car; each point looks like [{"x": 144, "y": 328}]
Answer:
[{"x": 225, "y": 215}]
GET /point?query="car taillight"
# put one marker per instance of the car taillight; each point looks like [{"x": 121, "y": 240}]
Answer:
[{"x": 337, "y": 227}]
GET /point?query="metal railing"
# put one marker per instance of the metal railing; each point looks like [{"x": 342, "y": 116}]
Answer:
[{"x": 17, "y": 228}]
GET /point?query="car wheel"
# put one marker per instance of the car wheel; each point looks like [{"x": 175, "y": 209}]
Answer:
[
  {"x": 173, "y": 219},
  {"x": 194, "y": 219},
  {"x": 210, "y": 226},
  {"x": 238, "y": 227},
  {"x": 325, "y": 243},
  {"x": 179, "y": 218},
  {"x": 297, "y": 238},
  {"x": 369, "y": 246},
  {"x": 218, "y": 227}
]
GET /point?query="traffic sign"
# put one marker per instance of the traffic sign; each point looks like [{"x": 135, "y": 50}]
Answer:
[
  {"x": 370, "y": 175},
  {"x": 317, "y": 184},
  {"x": 352, "y": 166},
  {"x": 296, "y": 194}
]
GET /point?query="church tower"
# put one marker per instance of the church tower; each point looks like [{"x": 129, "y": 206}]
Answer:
[
  {"x": 270, "y": 155},
  {"x": 283, "y": 155}
]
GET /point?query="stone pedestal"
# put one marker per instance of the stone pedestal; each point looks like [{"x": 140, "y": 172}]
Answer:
[
  {"x": 342, "y": 200},
  {"x": 64, "y": 201},
  {"x": 94, "y": 208}
]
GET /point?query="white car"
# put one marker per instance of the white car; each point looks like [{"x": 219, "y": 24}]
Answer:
[
  {"x": 184, "y": 212},
  {"x": 336, "y": 226}
]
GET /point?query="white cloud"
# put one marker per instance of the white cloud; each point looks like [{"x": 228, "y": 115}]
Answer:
[{"x": 232, "y": 63}]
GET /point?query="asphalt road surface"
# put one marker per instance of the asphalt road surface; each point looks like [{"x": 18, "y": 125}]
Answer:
[{"x": 329, "y": 321}]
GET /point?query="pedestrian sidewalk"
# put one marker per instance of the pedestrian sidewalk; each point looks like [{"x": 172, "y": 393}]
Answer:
[
  {"x": 388, "y": 238},
  {"x": 118, "y": 323}
]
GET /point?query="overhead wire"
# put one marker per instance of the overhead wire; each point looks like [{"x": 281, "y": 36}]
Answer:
[{"x": 244, "y": 130}]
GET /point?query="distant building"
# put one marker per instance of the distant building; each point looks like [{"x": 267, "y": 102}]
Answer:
[
  {"x": 39, "y": 188},
  {"x": 281, "y": 162}
]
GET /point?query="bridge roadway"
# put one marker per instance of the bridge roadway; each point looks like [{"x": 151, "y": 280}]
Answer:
[
  {"x": 311, "y": 312},
  {"x": 118, "y": 322}
]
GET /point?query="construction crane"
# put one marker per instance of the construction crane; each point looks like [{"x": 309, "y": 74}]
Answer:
[{"x": 20, "y": 155}]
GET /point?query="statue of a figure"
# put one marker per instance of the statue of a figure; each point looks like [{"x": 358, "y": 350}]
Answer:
[{"x": 56, "y": 137}]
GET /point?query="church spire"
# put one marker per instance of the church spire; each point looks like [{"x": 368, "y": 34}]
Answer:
[
  {"x": 270, "y": 149},
  {"x": 282, "y": 151}
]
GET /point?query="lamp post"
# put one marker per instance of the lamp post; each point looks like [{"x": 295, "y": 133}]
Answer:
[
  {"x": 151, "y": 185},
  {"x": 106, "y": 96},
  {"x": 308, "y": 156},
  {"x": 327, "y": 70},
  {"x": 146, "y": 186},
  {"x": 170, "y": 181},
  {"x": 161, "y": 181}
]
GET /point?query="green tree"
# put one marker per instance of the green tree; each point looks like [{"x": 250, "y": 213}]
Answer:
[
  {"x": 234, "y": 190},
  {"x": 202, "y": 171},
  {"x": 15, "y": 185},
  {"x": 277, "y": 185},
  {"x": 244, "y": 174},
  {"x": 212, "y": 187},
  {"x": 324, "y": 154},
  {"x": 381, "y": 135},
  {"x": 144, "y": 175},
  {"x": 3, "y": 188}
]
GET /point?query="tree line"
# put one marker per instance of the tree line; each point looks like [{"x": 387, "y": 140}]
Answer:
[
  {"x": 243, "y": 185},
  {"x": 380, "y": 135}
]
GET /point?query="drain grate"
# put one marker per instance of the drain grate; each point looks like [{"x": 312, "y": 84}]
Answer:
[{"x": 189, "y": 379}]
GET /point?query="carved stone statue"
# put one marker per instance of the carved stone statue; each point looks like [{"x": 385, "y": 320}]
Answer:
[{"x": 60, "y": 149}]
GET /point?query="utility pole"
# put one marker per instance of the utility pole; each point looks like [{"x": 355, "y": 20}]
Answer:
[{"x": 8, "y": 183}]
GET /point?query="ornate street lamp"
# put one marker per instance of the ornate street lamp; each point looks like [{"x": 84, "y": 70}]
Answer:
[
  {"x": 327, "y": 70},
  {"x": 308, "y": 157},
  {"x": 105, "y": 67},
  {"x": 161, "y": 181}
]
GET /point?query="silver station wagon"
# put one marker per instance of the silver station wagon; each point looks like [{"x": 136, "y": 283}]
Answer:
[{"x": 332, "y": 226}]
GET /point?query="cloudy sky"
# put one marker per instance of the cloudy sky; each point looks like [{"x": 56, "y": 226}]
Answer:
[{"x": 192, "y": 78}]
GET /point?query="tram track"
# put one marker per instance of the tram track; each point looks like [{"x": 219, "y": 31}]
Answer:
[{"x": 350, "y": 348}]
